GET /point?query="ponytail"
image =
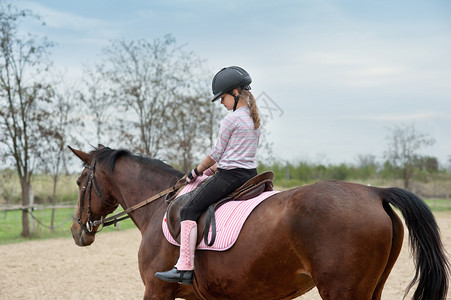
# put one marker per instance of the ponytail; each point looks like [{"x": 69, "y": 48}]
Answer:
[{"x": 246, "y": 94}]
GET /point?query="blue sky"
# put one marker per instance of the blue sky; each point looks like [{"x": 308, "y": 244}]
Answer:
[{"x": 343, "y": 72}]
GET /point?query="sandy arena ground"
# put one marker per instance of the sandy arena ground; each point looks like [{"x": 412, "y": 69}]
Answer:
[{"x": 58, "y": 269}]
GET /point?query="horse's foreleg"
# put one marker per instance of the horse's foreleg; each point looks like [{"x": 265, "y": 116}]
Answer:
[
  {"x": 154, "y": 292},
  {"x": 161, "y": 257},
  {"x": 168, "y": 291},
  {"x": 151, "y": 260}
]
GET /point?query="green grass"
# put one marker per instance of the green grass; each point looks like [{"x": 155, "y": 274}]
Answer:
[
  {"x": 11, "y": 225},
  {"x": 437, "y": 205}
]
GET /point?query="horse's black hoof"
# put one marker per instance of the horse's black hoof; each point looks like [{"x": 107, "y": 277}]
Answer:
[{"x": 174, "y": 275}]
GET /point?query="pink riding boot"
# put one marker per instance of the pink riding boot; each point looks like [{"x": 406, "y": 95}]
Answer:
[{"x": 183, "y": 270}]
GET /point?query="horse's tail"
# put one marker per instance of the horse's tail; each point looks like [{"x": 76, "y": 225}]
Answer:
[{"x": 431, "y": 266}]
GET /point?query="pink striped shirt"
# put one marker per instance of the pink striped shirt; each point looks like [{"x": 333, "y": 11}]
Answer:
[{"x": 237, "y": 141}]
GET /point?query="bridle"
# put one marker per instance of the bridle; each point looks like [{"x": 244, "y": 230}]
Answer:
[{"x": 91, "y": 181}]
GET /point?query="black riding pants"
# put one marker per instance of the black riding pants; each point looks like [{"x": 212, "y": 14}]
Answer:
[{"x": 213, "y": 189}]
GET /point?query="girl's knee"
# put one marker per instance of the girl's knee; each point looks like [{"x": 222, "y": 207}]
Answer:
[{"x": 189, "y": 213}]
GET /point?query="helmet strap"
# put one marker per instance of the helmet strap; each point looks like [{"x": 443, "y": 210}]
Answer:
[{"x": 237, "y": 98}]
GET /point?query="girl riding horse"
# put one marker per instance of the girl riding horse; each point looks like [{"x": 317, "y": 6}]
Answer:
[{"x": 230, "y": 163}]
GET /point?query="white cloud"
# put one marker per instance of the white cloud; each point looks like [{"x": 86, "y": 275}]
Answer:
[{"x": 61, "y": 20}]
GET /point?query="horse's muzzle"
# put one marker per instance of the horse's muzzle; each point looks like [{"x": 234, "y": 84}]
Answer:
[{"x": 81, "y": 238}]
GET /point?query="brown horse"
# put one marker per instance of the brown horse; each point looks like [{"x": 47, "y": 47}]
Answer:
[{"x": 343, "y": 238}]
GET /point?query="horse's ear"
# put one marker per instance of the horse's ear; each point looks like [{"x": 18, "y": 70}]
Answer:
[
  {"x": 100, "y": 146},
  {"x": 81, "y": 155}
]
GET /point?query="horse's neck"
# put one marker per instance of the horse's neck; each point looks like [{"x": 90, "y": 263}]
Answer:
[{"x": 136, "y": 185}]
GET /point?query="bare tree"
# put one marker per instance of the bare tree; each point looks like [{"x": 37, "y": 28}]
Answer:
[
  {"x": 57, "y": 133},
  {"x": 211, "y": 115},
  {"x": 23, "y": 97},
  {"x": 98, "y": 102},
  {"x": 367, "y": 165},
  {"x": 265, "y": 146},
  {"x": 145, "y": 77},
  {"x": 403, "y": 149},
  {"x": 190, "y": 129}
]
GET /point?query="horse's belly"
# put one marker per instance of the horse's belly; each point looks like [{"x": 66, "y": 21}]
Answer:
[{"x": 270, "y": 281}]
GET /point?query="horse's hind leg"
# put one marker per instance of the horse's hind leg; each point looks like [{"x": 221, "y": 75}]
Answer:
[
  {"x": 352, "y": 267},
  {"x": 341, "y": 286},
  {"x": 357, "y": 282},
  {"x": 397, "y": 239}
]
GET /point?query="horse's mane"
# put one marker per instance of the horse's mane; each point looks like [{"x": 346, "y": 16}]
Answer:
[{"x": 107, "y": 157}]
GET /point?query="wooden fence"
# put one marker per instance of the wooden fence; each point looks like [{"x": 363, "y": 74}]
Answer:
[
  {"x": 31, "y": 208},
  {"x": 34, "y": 207}
]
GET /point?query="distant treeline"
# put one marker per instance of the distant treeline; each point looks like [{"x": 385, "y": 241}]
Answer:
[{"x": 287, "y": 174}]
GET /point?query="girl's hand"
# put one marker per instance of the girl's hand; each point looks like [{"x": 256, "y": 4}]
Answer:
[{"x": 192, "y": 175}]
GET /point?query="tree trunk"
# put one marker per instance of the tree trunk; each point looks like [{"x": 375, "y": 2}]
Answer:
[
  {"x": 52, "y": 219},
  {"x": 25, "y": 202},
  {"x": 406, "y": 184}
]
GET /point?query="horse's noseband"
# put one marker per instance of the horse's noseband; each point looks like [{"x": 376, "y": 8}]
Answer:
[{"x": 88, "y": 183}]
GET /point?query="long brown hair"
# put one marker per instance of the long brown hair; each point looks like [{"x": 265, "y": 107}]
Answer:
[{"x": 247, "y": 95}]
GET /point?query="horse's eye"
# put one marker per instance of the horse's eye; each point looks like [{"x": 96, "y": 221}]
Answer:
[{"x": 78, "y": 182}]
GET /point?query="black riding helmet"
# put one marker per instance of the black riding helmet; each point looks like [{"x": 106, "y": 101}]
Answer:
[{"x": 228, "y": 79}]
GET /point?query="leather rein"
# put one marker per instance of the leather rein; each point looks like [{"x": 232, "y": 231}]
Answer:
[{"x": 91, "y": 181}]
